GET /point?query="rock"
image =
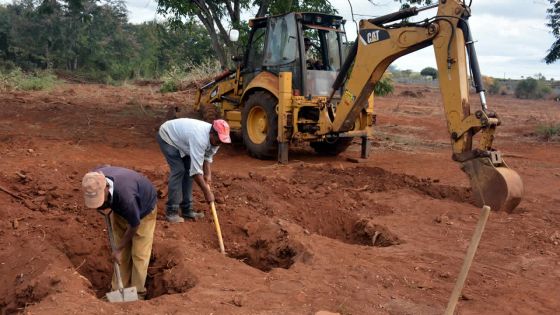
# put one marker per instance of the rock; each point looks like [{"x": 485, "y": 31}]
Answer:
[
  {"x": 15, "y": 224},
  {"x": 238, "y": 300},
  {"x": 326, "y": 313}
]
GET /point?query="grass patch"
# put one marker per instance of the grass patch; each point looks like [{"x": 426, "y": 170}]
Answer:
[
  {"x": 189, "y": 76},
  {"x": 16, "y": 79},
  {"x": 548, "y": 131}
]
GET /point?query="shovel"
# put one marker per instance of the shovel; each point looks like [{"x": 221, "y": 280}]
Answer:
[
  {"x": 121, "y": 294},
  {"x": 218, "y": 230}
]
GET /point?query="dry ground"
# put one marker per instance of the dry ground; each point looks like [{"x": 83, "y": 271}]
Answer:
[{"x": 299, "y": 238}]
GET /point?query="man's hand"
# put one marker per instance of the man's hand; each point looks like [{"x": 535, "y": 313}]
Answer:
[
  {"x": 209, "y": 196},
  {"x": 116, "y": 256}
]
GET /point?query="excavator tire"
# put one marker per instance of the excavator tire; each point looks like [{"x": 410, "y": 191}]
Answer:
[
  {"x": 259, "y": 123},
  {"x": 333, "y": 147},
  {"x": 209, "y": 112}
]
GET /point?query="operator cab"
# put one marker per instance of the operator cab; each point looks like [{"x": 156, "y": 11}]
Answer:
[{"x": 310, "y": 45}]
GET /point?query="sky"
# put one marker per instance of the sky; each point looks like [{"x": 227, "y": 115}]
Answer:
[{"x": 511, "y": 35}]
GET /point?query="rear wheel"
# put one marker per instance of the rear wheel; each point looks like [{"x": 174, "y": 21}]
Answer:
[
  {"x": 259, "y": 122},
  {"x": 331, "y": 147}
]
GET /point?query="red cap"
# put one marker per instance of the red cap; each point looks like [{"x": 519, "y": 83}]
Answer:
[{"x": 222, "y": 128}]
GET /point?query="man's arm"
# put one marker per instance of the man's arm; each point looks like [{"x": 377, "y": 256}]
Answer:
[
  {"x": 126, "y": 239},
  {"x": 207, "y": 172},
  {"x": 205, "y": 187}
]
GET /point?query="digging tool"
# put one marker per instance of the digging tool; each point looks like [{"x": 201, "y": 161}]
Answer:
[
  {"x": 121, "y": 294},
  {"x": 468, "y": 260},
  {"x": 498, "y": 187},
  {"x": 218, "y": 230}
]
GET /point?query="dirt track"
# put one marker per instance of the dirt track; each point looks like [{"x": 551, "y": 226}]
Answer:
[{"x": 300, "y": 238}]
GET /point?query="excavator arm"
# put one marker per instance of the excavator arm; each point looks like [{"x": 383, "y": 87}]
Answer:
[{"x": 379, "y": 43}]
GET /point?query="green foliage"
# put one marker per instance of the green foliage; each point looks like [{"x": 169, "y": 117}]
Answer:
[
  {"x": 554, "y": 24},
  {"x": 282, "y": 6},
  {"x": 548, "y": 131},
  {"x": 384, "y": 86},
  {"x": 429, "y": 71},
  {"x": 15, "y": 79},
  {"x": 494, "y": 86},
  {"x": 218, "y": 16},
  {"x": 169, "y": 85},
  {"x": 532, "y": 88},
  {"x": 191, "y": 74},
  {"x": 93, "y": 41}
]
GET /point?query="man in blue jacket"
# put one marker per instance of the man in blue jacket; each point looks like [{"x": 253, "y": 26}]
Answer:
[{"x": 133, "y": 201}]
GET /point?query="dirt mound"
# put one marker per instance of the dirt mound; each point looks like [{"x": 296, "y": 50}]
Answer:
[{"x": 415, "y": 94}]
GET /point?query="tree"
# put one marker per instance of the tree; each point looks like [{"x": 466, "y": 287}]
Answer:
[
  {"x": 429, "y": 71},
  {"x": 532, "y": 88},
  {"x": 554, "y": 23},
  {"x": 218, "y": 15}
]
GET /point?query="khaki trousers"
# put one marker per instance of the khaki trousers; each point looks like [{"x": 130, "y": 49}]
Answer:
[{"x": 135, "y": 257}]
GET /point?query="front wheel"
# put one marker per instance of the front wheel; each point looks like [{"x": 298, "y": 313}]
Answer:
[{"x": 259, "y": 122}]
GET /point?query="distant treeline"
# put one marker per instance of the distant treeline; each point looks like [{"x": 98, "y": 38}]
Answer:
[{"x": 95, "y": 40}]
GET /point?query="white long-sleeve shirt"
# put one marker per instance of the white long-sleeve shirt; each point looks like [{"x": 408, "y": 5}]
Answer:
[{"x": 191, "y": 137}]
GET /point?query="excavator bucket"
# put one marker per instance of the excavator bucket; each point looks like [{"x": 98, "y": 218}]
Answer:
[{"x": 499, "y": 187}]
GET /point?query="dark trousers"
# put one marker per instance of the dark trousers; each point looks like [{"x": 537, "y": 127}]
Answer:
[{"x": 179, "y": 195}]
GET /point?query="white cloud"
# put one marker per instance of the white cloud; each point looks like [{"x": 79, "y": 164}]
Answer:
[{"x": 142, "y": 10}]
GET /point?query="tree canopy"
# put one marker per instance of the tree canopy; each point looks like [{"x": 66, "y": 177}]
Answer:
[
  {"x": 218, "y": 16},
  {"x": 430, "y": 72},
  {"x": 554, "y": 24},
  {"x": 95, "y": 39}
]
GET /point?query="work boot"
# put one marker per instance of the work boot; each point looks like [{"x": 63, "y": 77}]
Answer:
[
  {"x": 174, "y": 218},
  {"x": 191, "y": 215},
  {"x": 141, "y": 296}
]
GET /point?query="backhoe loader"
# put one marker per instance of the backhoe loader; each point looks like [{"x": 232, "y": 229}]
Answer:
[{"x": 275, "y": 96}]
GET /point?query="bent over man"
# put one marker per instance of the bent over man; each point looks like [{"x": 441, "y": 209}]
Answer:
[
  {"x": 189, "y": 146},
  {"x": 132, "y": 199}
]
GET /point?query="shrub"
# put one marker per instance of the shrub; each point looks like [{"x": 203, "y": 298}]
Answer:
[
  {"x": 18, "y": 80},
  {"x": 384, "y": 86},
  {"x": 190, "y": 75},
  {"x": 494, "y": 86},
  {"x": 548, "y": 131},
  {"x": 168, "y": 86},
  {"x": 531, "y": 89},
  {"x": 429, "y": 71}
]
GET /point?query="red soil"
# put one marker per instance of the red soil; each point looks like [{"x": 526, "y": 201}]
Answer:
[{"x": 385, "y": 236}]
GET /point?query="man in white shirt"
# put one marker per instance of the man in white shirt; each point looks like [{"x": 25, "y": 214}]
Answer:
[{"x": 189, "y": 146}]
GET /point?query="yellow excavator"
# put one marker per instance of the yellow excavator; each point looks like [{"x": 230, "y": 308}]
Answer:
[{"x": 300, "y": 80}]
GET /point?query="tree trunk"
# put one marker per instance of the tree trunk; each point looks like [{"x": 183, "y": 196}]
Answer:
[{"x": 219, "y": 49}]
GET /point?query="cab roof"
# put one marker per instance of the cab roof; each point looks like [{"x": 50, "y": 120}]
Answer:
[{"x": 309, "y": 18}]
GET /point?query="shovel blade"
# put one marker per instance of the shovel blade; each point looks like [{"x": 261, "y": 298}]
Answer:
[{"x": 126, "y": 295}]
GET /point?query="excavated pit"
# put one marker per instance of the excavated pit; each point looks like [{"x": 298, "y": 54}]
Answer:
[
  {"x": 265, "y": 246},
  {"x": 338, "y": 203},
  {"x": 166, "y": 276}
]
